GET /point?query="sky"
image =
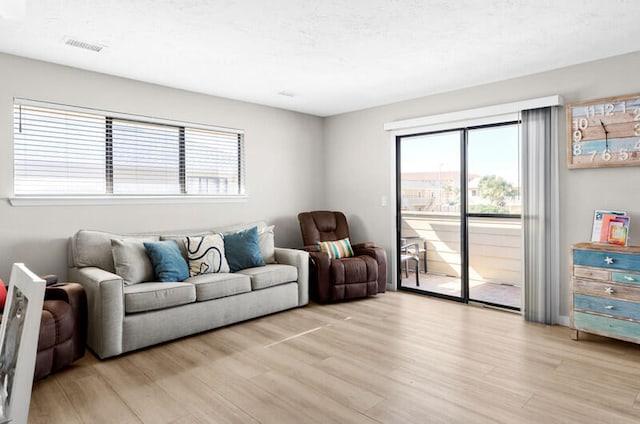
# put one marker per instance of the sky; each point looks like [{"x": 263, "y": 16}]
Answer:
[{"x": 491, "y": 151}]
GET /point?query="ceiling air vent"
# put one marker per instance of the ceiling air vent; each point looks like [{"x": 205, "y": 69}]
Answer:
[{"x": 83, "y": 45}]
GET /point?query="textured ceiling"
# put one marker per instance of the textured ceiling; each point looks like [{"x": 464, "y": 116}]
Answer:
[{"x": 321, "y": 57}]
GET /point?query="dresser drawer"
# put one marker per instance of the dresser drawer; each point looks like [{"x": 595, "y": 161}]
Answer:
[
  {"x": 606, "y": 325},
  {"x": 625, "y": 277},
  {"x": 609, "y": 306},
  {"x": 593, "y": 273},
  {"x": 597, "y": 259},
  {"x": 607, "y": 290}
]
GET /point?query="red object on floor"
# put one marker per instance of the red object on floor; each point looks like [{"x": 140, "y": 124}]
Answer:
[{"x": 3, "y": 295}]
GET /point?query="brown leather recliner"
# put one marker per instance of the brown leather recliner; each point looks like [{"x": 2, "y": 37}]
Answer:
[
  {"x": 364, "y": 274},
  {"x": 63, "y": 327}
]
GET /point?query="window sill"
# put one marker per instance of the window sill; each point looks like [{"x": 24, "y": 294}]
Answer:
[{"x": 119, "y": 200}]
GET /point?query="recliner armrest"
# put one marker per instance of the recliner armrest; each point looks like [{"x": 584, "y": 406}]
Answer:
[
  {"x": 312, "y": 248},
  {"x": 380, "y": 255},
  {"x": 49, "y": 279},
  {"x": 363, "y": 245},
  {"x": 74, "y": 295}
]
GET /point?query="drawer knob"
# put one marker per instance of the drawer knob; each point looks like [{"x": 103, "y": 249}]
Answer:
[
  {"x": 609, "y": 307},
  {"x": 608, "y": 260},
  {"x": 628, "y": 278},
  {"x": 608, "y": 290}
]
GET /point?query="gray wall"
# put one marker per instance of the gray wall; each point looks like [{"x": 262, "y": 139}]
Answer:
[
  {"x": 283, "y": 159},
  {"x": 360, "y": 160},
  {"x": 285, "y": 170}
]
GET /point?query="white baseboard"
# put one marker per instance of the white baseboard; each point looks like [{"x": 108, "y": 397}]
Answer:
[{"x": 564, "y": 320}]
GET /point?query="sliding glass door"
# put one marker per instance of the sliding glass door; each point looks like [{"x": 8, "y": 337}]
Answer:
[
  {"x": 430, "y": 236},
  {"x": 493, "y": 215},
  {"x": 459, "y": 230}
]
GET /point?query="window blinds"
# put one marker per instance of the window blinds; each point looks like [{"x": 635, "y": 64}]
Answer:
[
  {"x": 70, "y": 151},
  {"x": 212, "y": 159},
  {"x": 58, "y": 152},
  {"x": 145, "y": 158}
]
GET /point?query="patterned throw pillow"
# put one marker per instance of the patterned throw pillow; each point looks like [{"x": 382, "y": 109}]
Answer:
[
  {"x": 206, "y": 254},
  {"x": 337, "y": 249}
]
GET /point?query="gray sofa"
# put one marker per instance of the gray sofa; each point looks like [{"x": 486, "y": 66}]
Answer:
[{"x": 124, "y": 317}]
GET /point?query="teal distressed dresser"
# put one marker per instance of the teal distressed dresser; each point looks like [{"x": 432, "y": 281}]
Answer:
[{"x": 606, "y": 291}]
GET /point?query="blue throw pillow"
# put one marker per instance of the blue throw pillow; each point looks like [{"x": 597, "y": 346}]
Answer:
[
  {"x": 243, "y": 250},
  {"x": 168, "y": 263}
]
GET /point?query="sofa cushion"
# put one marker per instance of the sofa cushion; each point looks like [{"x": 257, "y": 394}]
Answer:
[
  {"x": 206, "y": 254},
  {"x": 131, "y": 261},
  {"x": 270, "y": 275},
  {"x": 151, "y": 296},
  {"x": 217, "y": 285},
  {"x": 168, "y": 263},
  {"x": 242, "y": 249},
  {"x": 92, "y": 248}
]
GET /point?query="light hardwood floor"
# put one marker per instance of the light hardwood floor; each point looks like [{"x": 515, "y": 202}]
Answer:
[{"x": 394, "y": 358}]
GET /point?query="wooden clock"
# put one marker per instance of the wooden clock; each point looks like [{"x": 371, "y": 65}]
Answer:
[{"x": 603, "y": 133}]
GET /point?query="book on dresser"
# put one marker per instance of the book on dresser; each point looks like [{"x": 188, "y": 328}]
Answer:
[
  {"x": 600, "y": 227},
  {"x": 618, "y": 231},
  {"x": 605, "y": 282}
]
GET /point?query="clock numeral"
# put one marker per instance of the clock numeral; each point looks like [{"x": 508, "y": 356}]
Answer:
[
  {"x": 624, "y": 154},
  {"x": 606, "y": 156},
  {"x": 593, "y": 155},
  {"x": 609, "y": 108},
  {"x": 580, "y": 124},
  {"x": 636, "y": 115},
  {"x": 637, "y": 146},
  {"x": 624, "y": 107},
  {"x": 636, "y": 129},
  {"x": 577, "y": 135},
  {"x": 577, "y": 149}
]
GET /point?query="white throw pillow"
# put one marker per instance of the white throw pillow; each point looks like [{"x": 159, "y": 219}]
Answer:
[
  {"x": 131, "y": 261},
  {"x": 206, "y": 254},
  {"x": 267, "y": 245}
]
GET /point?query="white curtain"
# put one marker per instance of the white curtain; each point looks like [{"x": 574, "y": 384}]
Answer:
[{"x": 540, "y": 215}]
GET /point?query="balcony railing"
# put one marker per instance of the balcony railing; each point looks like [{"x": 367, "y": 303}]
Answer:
[{"x": 494, "y": 245}]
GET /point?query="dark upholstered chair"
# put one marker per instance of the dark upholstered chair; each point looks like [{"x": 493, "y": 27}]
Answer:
[
  {"x": 364, "y": 274},
  {"x": 63, "y": 327}
]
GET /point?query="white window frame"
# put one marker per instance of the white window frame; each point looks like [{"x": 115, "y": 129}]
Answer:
[{"x": 110, "y": 199}]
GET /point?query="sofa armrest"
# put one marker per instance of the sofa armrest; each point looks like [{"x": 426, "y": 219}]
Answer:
[
  {"x": 299, "y": 259},
  {"x": 105, "y": 301}
]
